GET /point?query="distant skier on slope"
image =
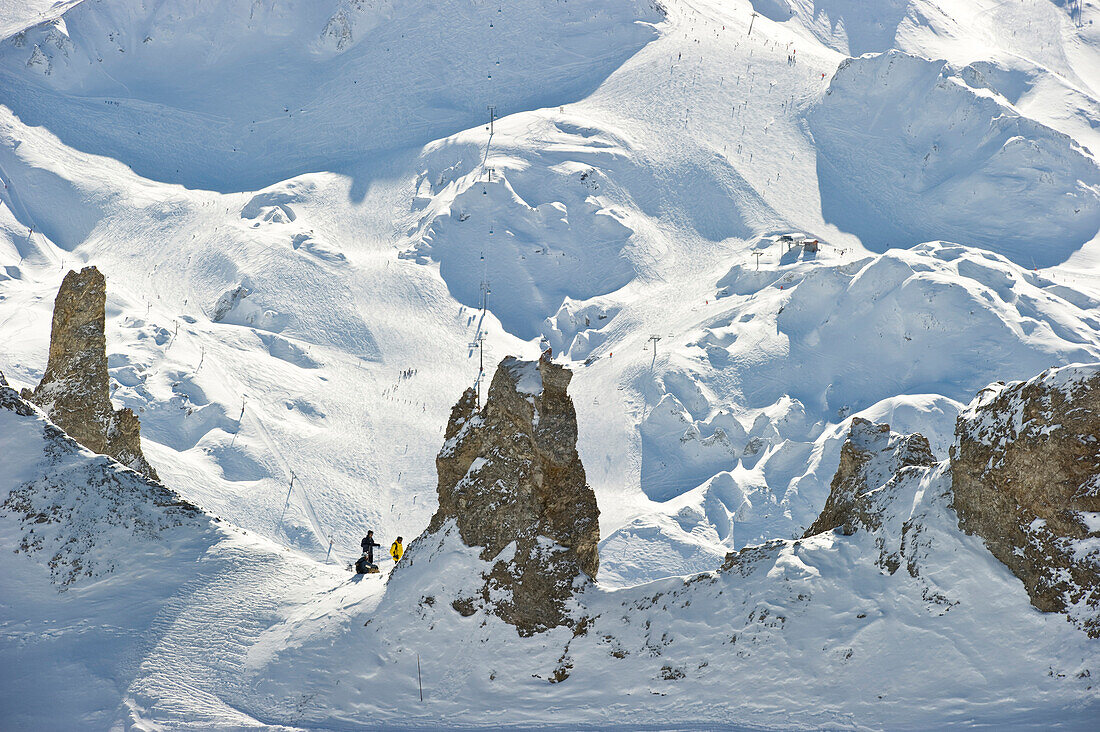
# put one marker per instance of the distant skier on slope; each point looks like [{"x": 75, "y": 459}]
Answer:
[{"x": 396, "y": 550}]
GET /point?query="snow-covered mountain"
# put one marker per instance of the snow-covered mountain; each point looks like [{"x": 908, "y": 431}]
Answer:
[{"x": 311, "y": 213}]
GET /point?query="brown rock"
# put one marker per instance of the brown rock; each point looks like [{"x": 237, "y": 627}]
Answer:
[
  {"x": 510, "y": 473},
  {"x": 1025, "y": 472},
  {"x": 870, "y": 458},
  {"x": 75, "y": 390}
]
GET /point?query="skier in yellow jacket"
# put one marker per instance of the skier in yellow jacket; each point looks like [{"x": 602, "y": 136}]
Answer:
[{"x": 396, "y": 550}]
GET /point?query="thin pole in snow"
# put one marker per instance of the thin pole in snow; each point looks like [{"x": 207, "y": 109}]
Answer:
[
  {"x": 239, "y": 419},
  {"x": 418, "y": 680},
  {"x": 286, "y": 505},
  {"x": 479, "y": 344},
  {"x": 751, "y": 21}
]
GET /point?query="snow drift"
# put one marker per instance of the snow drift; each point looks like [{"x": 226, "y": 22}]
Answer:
[
  {"x": 300, "y": 86},
  {"x": 909, "y": 152}
]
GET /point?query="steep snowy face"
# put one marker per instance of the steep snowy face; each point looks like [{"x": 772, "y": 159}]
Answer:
[
  {"x": 74, "y": 390},
  {"x": 511, "y": 483},
  {"x": 1026, "y": 476},
  {"x": 924, "y": 320},
  {"x": 114, "y": 579},
  {"x": 244, "y": 94},
  {"x": 908, "y": 151},
  {"x": 847, "y": 25},
  {"x": 81, "y": 514}
]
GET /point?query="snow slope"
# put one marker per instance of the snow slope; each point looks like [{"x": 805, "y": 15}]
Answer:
[
  {"x": 1001, "y": 181},
  {"x": 114, "y": 571},
  {"x": 297, "y": 87},
  {"x": 292, "y": 202},
  {"x": 835, "y": 631},
  {"x": 16, "y": 15}
]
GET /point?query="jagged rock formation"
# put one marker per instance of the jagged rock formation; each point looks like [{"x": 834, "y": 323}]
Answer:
[
  {"x": 511, "y": 481},
  {"x": 888, "y": 497},
  {"x": 1026, "y": 477},
  {"x": 878, "y": 469},
  {"x": 75, "y": 390},
  {"x": 11, "y": 401},
  {"x": 871, "y": 457}
]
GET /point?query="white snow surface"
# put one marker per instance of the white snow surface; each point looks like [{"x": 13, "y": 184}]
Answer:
[{"x": 299, "y": 207}]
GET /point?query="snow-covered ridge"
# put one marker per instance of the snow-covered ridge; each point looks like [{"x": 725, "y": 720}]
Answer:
[
  {"x": 902, "y": 587},
  {"x": 908, "y": 336},
  {"x": 84, "y": 513},
  {"x": 124, "y": 585},
  {"x": 1065, "y": 379}
]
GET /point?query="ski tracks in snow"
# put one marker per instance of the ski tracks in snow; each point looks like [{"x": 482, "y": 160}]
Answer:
[{"x": 197, "y": 670}]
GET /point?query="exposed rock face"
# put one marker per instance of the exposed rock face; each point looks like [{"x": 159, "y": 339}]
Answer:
[
  {"x": 1026, "y": 477},
  {"x": 871, "y": 457},
  {"x": 879, "y": 471},
  {"x": 889, "y": 504},
  {"x": 510, "y": 478},
  {"x": 75, "y": 391},
  {"x": 11, "y": 401}
]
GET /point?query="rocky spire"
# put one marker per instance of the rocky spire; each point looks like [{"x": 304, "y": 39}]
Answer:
[
  {"x": 510, "y": 475},
  {"x": 1025, "y": 471},
  {"x": 75, "y": 390},
  {"x": 870, "y": 457}
]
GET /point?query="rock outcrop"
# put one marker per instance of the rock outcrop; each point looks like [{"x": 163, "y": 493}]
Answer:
[
  {"x": 512, "y": 482},
  {"x": 1025, "y": 472},
  {"x": 75, "y": 390},
  {"x": 82, "y": 514},
  {"x": 870, "y": 458}
]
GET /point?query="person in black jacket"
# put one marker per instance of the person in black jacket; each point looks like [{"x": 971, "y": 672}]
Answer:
[{"x": 368, "y": 546}]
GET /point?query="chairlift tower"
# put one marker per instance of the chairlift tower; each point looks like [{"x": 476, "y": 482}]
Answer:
[
  {"x": 486, "y": 290},
  {"x": 479, "y": 344},
  {"x": 492, "y": 117},
  {"x": 653, "y": 339}
]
